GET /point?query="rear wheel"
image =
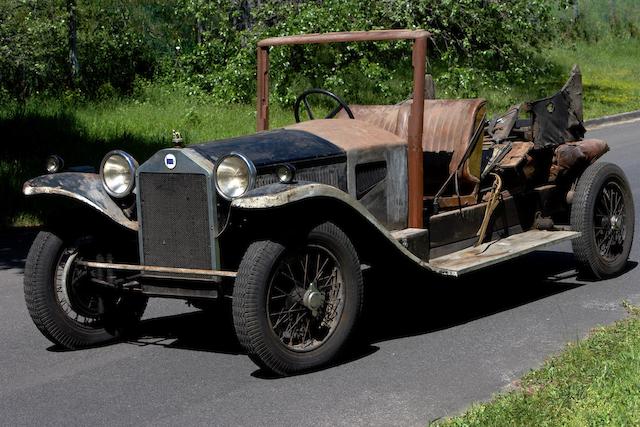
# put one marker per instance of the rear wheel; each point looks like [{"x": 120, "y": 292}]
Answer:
[
  {"x": 64, "y": 303},
  {"x": 296, "y": 306},
  {"x": 603, "y": 211}
]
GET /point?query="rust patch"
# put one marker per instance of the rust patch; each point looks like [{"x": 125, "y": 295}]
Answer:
[
  {"x": 516, "y": 155},
  {"x": 349, "y": 134}
]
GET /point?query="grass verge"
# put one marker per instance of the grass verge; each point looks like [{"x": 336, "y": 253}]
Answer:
[
  {"x": 594, "y": 382},
  {"x": 610, "y": 71}
]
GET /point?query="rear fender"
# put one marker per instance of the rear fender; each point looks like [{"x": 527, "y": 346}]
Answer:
[{"x": 85, "y": 188}]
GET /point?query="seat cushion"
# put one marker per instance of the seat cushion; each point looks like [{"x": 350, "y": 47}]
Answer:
[{"x": 447, "y": 128}]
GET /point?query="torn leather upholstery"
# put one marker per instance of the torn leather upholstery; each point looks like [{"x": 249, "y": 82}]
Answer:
[{"x": 575, "y": 156}]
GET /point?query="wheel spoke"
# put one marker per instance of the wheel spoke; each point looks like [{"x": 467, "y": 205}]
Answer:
[
  {"x": 306, "y": 265},
  {"x": 291, "y": 277},
  {"x": 320, "y": 269},
  {"x": 291, "y": 310},
  {"x": 282, "y": 293}
]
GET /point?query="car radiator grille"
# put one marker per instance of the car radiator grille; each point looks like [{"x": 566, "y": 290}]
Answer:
[{"x": 174, "y": 218}]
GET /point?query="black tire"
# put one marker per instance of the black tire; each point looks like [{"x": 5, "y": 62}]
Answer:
[
  {"x": 330, "y": 327},
  {"x": 56, "y": 318},
  {"x": 602, "y": 210}
]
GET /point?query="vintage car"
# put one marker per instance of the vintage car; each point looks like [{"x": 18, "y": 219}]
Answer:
[{"x": 282, "y": 222}]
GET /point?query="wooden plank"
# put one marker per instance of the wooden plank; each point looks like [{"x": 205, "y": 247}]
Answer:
[
  {"x": 475, "y": 258},
  {"x": 415, "y": 240},
  {"x": 407, "y": 233}
]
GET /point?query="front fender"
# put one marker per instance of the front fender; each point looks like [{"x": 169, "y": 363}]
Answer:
[
  {"x": 279, "y": 195},
  {"x": 84, "y": 187}
]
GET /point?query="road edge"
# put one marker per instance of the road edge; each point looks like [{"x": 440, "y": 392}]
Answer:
[{"x": 612, "y": 119}]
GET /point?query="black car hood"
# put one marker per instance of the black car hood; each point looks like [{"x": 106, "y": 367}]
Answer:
[{"x": 271, "y": 147}]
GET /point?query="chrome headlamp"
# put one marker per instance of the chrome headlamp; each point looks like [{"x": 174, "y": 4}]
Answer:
[
  {"x": 235, "y": 175},
  {"x": 118, "y": 173}
]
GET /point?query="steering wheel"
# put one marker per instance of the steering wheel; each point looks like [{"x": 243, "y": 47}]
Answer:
[{"x": 303, "y": 99}]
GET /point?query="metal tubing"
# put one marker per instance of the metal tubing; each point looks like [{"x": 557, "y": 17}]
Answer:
[
  {"x": 416, "y": 120},
  {"x": 154, "y": 269},
  {"x": 341, "y": 37},
  {"x": 262, "y": 110}
]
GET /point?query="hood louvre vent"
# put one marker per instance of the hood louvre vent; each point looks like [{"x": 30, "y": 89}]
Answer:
[
  {"x": 333, "y": 175},
  {"x": 368, "y": 175}
]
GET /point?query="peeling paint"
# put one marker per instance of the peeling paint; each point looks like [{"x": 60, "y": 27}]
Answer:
[{"x": 84, "y": 187}]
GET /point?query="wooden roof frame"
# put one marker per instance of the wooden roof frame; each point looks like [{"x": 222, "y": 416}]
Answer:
[{"x": 414, "y": 139}]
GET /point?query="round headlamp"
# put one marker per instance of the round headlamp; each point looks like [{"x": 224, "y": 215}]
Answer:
[
  {"x": 118, "y": 173},
  {"x": 54, "y": 164},
  {"x": 235, "y": 175}
]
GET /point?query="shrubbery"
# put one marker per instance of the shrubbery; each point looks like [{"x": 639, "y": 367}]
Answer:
[{"x": 209, "y": 45}]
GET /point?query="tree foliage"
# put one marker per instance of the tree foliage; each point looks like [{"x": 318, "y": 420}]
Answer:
[{"x": 209, "y": 45}]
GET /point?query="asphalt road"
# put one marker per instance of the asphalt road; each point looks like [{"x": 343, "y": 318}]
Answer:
[{"x": 436, "y": 347}]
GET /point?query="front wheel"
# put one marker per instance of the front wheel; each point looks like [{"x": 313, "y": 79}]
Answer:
[
  {"x": 295, "y": 306},
  {"x": 63, "y": 302},
  {"x": 602, "y": 210}
]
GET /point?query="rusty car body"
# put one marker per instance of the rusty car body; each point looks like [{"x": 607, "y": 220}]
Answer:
[{"x": 281, "y": 221}]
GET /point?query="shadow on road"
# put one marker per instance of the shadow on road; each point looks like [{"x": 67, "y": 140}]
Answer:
[
  {"x": 14, "y": 246},
  {"x": 413, "y": 303}
]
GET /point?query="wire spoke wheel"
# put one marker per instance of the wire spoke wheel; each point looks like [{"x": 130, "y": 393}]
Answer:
[
  {"x": 609, "y": 221},
  {"x": 296, "y": 304},
  {"x": 306, "y": 298},
  {"x": 602, "y": 210}
]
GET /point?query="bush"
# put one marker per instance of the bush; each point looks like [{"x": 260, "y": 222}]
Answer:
[
  {"x": 209, "y": 45},
  {"x": 475, "y": 42}
]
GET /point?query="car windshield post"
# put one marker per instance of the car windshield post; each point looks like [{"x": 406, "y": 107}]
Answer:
[{"x": 414, "y": 140}]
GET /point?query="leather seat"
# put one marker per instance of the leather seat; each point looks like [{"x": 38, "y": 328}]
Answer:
[{"x": 447, "y": 128}]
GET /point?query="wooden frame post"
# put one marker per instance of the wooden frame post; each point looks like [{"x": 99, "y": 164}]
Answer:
[
  {"x": 262, "y": 108},
  {"x": 416, "y": 121}
]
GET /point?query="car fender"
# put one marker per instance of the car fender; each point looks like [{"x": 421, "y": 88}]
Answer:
[
  {"x": 84, "y": 187},
  {"x": 279, "y": 195}
]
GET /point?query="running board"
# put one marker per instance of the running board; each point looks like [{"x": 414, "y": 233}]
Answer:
[{"x": 475, "y": 258}]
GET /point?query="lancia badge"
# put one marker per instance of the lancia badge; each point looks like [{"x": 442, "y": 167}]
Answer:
[{"x": 170, "y": 161}]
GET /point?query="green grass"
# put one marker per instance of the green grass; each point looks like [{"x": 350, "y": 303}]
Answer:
[
  {"x": 593, "y": 383},
  {"x": 610, "y": 71}
]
